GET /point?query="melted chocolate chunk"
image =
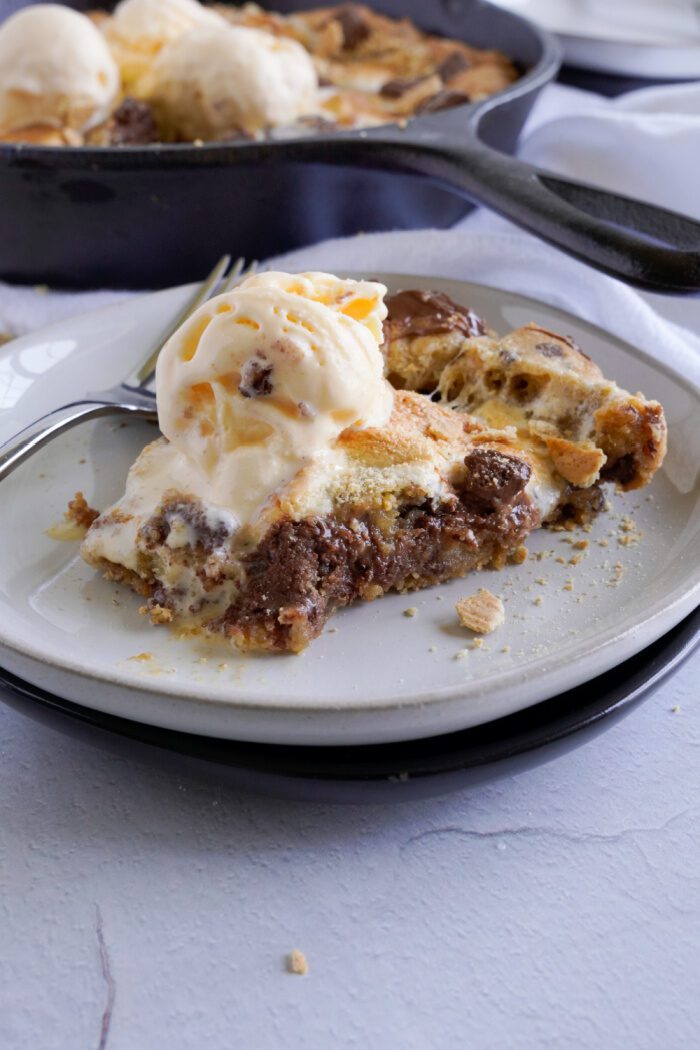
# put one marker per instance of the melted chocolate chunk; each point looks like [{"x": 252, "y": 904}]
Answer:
[
  {"x": 132, "y": 124},
  {"x": 416, "y": 312},
  {"x": 255, "y": 378},
  {"x": 452, "y": 65},
  {"x": 397, "y": 88},
  {"x": 354, "y": 25},
  {"x": 622, "y": 470},
  {"x": 303, "y": 570},
  {"x": 493, "y": 479},
  {"x": 580, "y": 505},
  {"x": 443, "y": 100}
]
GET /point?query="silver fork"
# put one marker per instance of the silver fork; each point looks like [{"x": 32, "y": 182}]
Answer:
[{"x": 133, "y": 397}]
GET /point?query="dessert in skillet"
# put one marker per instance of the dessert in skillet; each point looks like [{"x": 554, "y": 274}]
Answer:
[
  {"x": 179, "y": 71},
  {"x": 293, "y": 478}
]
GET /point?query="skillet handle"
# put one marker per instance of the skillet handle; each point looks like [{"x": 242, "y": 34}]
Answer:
[
  {"x": 639, "y": 243},
  {"x": 650, "y": 247}
]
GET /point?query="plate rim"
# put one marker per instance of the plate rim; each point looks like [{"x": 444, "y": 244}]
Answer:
[
  {"x": 673, "y": 649},
  {"x": 672, "y": 608}
]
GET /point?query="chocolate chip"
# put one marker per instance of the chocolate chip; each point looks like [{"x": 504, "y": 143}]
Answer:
[
  {"x": 493, "y": 479},
  {"x": 397, "y": 88},
  {"x": 354, "y": 25},
  {"x": 443, "y": 100},
  {"x": 550, "y": 349},
  {"x": 132, "y": 124},
  {"x": 255, "y": 378},
  {"x": 622, "y": 470},
  {"x": 455, "y": 63}
]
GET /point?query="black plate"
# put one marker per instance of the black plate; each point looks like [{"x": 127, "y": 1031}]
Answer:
[{"x": 388, "y": 772}]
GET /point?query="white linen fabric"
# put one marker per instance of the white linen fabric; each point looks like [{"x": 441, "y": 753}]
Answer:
[{"x": 645, "y": 144}]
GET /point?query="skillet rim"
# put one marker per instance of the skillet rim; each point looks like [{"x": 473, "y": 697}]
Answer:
[{"x": 185, "y": 155}]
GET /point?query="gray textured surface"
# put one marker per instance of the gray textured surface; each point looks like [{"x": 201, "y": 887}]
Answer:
[{"x": 556, "y": 908}]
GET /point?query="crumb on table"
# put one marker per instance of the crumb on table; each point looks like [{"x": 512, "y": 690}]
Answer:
[{"x": 296, "y": 962}]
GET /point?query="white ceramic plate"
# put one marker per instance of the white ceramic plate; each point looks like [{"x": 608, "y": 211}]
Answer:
[
  {"x": 376, "y": 675},
  {"x": 656, "y": 39}
]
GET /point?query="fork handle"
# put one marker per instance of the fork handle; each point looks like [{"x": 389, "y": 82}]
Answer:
[{"x": 37, "y": 434}]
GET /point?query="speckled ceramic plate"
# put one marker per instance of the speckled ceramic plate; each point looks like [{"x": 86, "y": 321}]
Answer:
[{"x": 375, "y": 675}]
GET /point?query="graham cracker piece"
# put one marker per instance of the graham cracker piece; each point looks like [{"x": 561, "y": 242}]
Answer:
[{"x": 482, "y": 612}]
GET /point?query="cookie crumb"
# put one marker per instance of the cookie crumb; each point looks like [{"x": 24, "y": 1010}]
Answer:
[
  {"x": 142, "y": 657},
  {"x": 519, "y": 555},
  {"x": 296, "y": 963},
  {"x": 676, "y": 709},
  {"x": 411, "y": 611},
  {"x": 482, "y": 612},
  {"x": 618, "y": 573},
  {"x": 76, "y": 521},
  {"x": 581, "y": 545}
]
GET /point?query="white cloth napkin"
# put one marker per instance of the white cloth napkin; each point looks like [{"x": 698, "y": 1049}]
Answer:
[{"x": 644, "y": 144}]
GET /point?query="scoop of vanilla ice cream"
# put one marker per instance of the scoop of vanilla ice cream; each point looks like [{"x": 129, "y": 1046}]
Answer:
[
  {"x": 212, "y": 82},
  {"x": 262, "y": 380},
  {"x": 138, "y": 29},
  {"x": 55, "y": 70}
]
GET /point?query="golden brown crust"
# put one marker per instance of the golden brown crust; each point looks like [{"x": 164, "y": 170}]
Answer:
[
  {"x": 633, "y": 434},
  {"x": 417, "y": 362},
  {"x": 545, "y": 386},
  {"x": 384, "y": 68},
  {"x": 44, "y": 135},
  {"x": 120, "y": 574},
  {"x": 417, "y": 430}
]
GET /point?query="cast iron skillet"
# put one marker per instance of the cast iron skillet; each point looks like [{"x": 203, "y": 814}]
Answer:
[{"x": 157, "y": 215}]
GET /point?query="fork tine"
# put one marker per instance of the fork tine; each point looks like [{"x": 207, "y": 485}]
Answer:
[
  {"x": 202, "y": 293},
  {"x": 237, "y": 271}
]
